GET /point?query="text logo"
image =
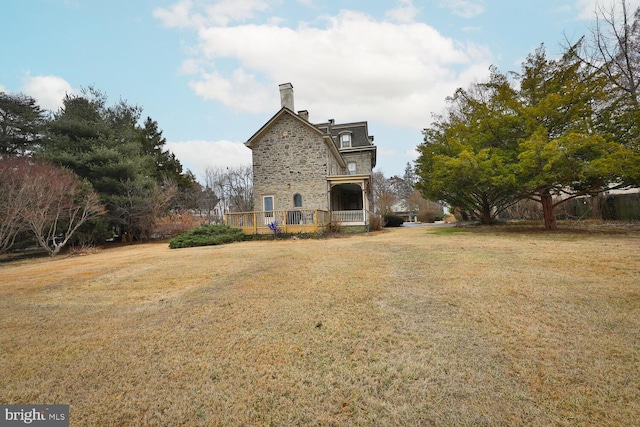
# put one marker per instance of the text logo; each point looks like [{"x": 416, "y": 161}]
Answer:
[{"x": 34, "y": 415}]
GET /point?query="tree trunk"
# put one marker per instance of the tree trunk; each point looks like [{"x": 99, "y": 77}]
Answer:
[
  {"x": 485, "y": 217},
  {"x": 550, "y": 222},
  {"x": 485, "y": 213}
]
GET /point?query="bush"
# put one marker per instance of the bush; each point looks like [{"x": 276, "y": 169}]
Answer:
[
  {"x": 282, "y": 236},
  {"x": 621, "y": 206},
  {"x": 207, "y": 235},
  {"x": 449, "y": 219},
  {"x": 375, "y": 222},
  {"x": 427, "y": 215},
  {"x": 174, "y": 224},
  {"x": 393, "y": 220}
]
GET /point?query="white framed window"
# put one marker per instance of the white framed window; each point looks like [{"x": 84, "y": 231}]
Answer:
[
  {"x": 345, "y": 140},
  {"x": 351, "y": 168},
  {"x": 267, "y": 203}
]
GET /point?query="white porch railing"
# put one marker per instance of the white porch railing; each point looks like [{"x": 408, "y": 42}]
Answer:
[{"x": 358, "y": 216}]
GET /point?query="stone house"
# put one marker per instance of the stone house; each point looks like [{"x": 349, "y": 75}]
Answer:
[{"x": 305, "y": 173}]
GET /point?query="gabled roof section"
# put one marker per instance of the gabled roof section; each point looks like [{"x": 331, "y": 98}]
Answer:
[{"x": 283, "y": 111}]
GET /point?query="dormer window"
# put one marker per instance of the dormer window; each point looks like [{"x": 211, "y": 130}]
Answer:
[{"x": 345, "y": 140}]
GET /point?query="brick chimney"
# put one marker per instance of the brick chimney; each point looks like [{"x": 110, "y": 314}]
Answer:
[{"x": 286, "y": 95}]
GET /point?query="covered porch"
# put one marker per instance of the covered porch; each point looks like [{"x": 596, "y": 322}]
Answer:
[
  {"x": 349, "y": 199},
  {"x": 287, "y": 221}
]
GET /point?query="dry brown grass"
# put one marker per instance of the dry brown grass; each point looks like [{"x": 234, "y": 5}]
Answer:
[{"x": 404, "y": 327}]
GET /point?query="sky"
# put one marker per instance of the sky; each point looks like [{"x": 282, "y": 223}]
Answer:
[{"x": 208, "y": 70}]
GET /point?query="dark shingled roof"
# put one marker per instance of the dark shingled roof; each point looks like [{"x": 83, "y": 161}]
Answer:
[{"x": 359, "y": 133}]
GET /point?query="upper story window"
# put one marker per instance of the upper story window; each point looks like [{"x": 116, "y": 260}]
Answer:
[
  {"x": 351, "y": 168},
  {"x": 345, "y": 140}
]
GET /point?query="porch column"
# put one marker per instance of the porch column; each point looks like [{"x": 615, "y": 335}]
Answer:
[{"x": 365, "y": 201}]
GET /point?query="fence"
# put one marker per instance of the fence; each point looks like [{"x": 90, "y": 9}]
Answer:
[{"x": 287, "y": 221}]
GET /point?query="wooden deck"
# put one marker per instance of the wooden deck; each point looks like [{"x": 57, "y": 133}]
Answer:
[{"x": 287, "y": 221}]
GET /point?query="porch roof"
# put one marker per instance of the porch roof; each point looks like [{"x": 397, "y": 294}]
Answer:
[{"x": 346, "y": 179}]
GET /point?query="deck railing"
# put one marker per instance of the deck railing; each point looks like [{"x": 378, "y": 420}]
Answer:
[
  {"x": 352, "y": 216},
  {"x": 288, "y": 221}
]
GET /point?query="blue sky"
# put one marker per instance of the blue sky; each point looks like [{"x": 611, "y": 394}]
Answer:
[{"x": 208, "y": 71}]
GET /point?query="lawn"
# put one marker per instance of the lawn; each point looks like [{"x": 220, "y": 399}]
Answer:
[{"x": 411, "y": 326}]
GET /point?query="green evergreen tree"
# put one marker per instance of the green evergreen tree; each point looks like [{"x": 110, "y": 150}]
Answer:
[
  {"x": 543, "y": 137},
  {"x": 564, "y": 153},
  {"x": 22, "y": 123},
  {"x": 467, "y": 155},
  {"x": 166, "y": 165},
  {"x": 123, "y": 161}
]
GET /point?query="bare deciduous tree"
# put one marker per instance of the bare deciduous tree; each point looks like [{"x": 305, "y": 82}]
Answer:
[
  {"x": 613, "y": 47},
  {"x": 228, "y": 190},
  {"x": 425, "y": 209},
  {"x": 384, "y": 195},
  {"x": 240, "y": 185},
  {"x": 55, "y": 204},
  {"x": 142, "y": 203},
  {"x": 11, "y": 201}
]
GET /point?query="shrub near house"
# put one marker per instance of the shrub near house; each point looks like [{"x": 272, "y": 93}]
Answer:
[
  {"x": 393, "y": 221},
  {"x": 207, "y": 235}
]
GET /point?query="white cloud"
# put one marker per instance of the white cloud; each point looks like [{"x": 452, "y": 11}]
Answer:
[
  {"x": 178, "y": 15},
  {"x": 226, "y": 11},
  {"x": 385, "y": 152},
  {"x": 3, "y": 89},
  {"x": 49, "y": 91},
  {"x": 464, "y": 8},
  {"x": 587, "y": 8},
  {"x": 190, "y": 67},
  {"x": 197, "y": 155},
  {"x": 352, "y": 68},
  {"x": 193, "y": 13},
  {"x": 406, "y": 12},
  {"x": 413, "y": 154},
  {"x": 240, "y": 91}
]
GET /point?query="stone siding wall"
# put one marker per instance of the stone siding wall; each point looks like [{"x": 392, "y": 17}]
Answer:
[
  {"x": 362, "y": 159},
  {"x": 291, "y": 158},
  {"x": 334, "y": 165}
]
